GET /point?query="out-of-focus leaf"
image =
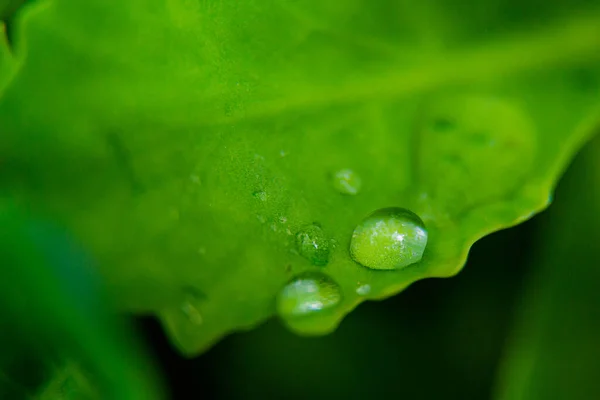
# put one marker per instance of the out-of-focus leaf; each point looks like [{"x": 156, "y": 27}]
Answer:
[
  {"x": 53, "y": 309},
  {"x": 7, "y": 61},
  {"x": 187, "y": 142},
  {"x": 554, "y": 352}
]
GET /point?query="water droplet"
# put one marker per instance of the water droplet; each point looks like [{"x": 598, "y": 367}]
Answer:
[
  {"x": 191, "y": 312},
  {"x": 261, "y": 219},
  {"x": 390, "y": 238},
  {"x": 260, "y": 195},
  {"x": 363, "y": 290},
  {"x": 347, "y": 181},
  {"x": 313, "y": 245},
  {"x": 307, "y": 294},
  {"x": 283, "y": 153},
  {"x": 282, "y": 220}
]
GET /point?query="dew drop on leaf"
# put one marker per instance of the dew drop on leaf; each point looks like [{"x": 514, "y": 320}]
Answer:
[
  {"x": 389, "y": 238},
  {"x": 313, "y": 245},
  {"x": 346, "y": 181},
  {"x": 363, "y": 290},
  {"x": 307, "y": 294}
]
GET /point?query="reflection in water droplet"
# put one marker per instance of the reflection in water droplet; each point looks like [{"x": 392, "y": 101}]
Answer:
[
  {"x": 307, "y": 294},
  {"x": 313, "y": 245},
  {"x": 363, "y": 290},
  {"x": 191, "y": 312},
  {"x": 347, "y": 181},
  {"x": 390, "y": 238}
]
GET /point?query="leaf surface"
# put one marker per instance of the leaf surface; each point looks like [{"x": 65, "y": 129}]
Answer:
[{"x": 187, "y": 142}]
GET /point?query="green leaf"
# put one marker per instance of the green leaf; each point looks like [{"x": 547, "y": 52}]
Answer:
[
  {"x": 187, "y": 142},
  {"x": 554, "y": 352}
]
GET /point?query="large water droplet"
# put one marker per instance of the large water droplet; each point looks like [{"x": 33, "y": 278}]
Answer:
[
  {"x": 307, "y": 294},
  {"x": 347, "y": 181},
  {"x": 390, "y": 238},
  {"x": 313, "y": 245}
]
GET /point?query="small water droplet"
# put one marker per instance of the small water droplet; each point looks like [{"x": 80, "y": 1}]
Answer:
[
  {"x": 283, "y": 153},
  {"x": 313, "y": 245},
  {"x": 283, "y": 220},
  {"x": 261, "y": 219},
  {"x": 260, "y": 195},
  {"x": 307, "y": 294},
  {"x": 288, "y": 231},
  {"x": 192, "y": 313},
  {"x": 346, "y": 181},
  {"x": 363, "y": 290},
  {"x": 390, "y": 238},
  {"x": 274, "y": 227}
]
